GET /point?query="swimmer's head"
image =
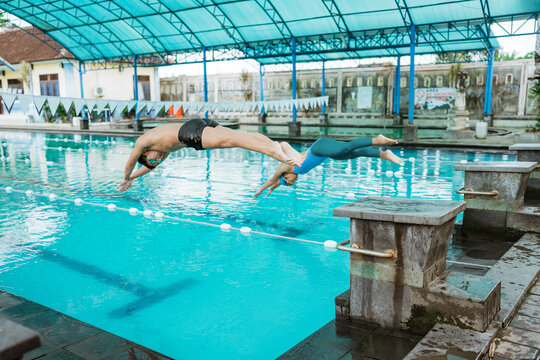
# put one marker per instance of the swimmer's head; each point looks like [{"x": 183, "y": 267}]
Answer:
[
  {"x": 150, "y": 158},
  {"x": 288, "y": 179}
]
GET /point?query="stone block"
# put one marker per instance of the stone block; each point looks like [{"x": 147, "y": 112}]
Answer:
[
  {"x": 451, "y": 342},
  {"x": 469, "y": 300},
  {"x": 410, "y": 133},
  {"x": 481, "y": 224},
  {"x": 509, "y": 351},
  {"x": 452, "y": 134},
  {"x": 526, "y": 219},
  {"x": 16, "y": 340},
  {"x": 509, "y": 179},
  {"x": 517, "y": 271},
  {"x": 295, "y": 128}
]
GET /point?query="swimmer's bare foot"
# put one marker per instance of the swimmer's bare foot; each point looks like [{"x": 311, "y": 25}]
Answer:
[
  {"x": 390, "y": 156},
  {"x": 383, "y": 140},
  {"x": 278, "y": 154},
  {"x": 291, "y": 152}
]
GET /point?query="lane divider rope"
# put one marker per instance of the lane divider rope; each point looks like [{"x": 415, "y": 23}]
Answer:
[{"x": 157, "y": 215}]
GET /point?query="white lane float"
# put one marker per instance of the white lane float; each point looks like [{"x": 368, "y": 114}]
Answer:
[
  {"x": 147, "y": 213},
  {"x": 53, "y": 197},
  {"x": 389, "y": 173},
  {"x": 8, "y": 189},
  {"x": 245, "y": 230},
  {"x": 78, "y": 202},
  {"x": 158, "y": 215},
  {"x": 225, "y": 227},
  {"x": 133, "y": 211},
  {"x": 29, "y": 192},
  {"x": 111, "y": 207},
  {"x": 350, "y": 195},
  {"x": 330, "y": 245}
]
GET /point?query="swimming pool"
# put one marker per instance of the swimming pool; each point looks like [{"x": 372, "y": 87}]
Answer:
[{"x": 177, "y": 283}]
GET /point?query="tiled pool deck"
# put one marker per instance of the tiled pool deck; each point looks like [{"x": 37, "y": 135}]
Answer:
[{"x": 63, "y": 337}]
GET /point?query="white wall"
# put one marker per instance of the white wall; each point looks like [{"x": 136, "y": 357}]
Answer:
[{"x": 117, "y": 84}]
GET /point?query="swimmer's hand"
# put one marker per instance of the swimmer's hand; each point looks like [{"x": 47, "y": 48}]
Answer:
[
  {"x": 259, "y": 192},
  {"x": 124, "y": 185}
]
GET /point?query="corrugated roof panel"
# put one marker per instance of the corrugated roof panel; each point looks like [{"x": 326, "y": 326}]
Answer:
[
  {"x": 90, "y": 35},
  {"x": 446, "y": 12},
  {"x": 175, "y": 42},
  {"x": 214, "y": 38},
  {"x": 158, "y": 25},
  {"x": 81, "y": 53},
  {"x": 199, "y": 20},
  {"x": 348, "y": 7},
  {"x": 63, "y": 38},
  {"x": 262, "y": 32},
  {"x": 246, "y": 13},
  {"x": 109, "y": 49},
  {"x": 503, "y": 7},
  {"x": 122, "y": 30},
  {"x": 298, "y": 10},
  {"x": 135, "y": 7},
  {"x": 175, "y": 5},
  {"x": 370, "y": 21},
  {"x": 98, "y": 11},
  {"x": 314, "y": 26},
  {"x": 139, "y": 47}
]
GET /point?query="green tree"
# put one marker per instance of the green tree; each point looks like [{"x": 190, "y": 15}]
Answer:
[{"x": 4, "y": 22}]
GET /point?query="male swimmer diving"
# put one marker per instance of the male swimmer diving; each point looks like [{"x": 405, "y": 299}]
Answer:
[{"x": 154, "y": 146}]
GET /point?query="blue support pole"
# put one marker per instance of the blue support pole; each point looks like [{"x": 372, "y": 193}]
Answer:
[
  {"x": 411, "y": 75},
  {"x": 323, "y": 87},
  {"x": 83, "y": 110},
  {"x": 489, "y": 83},
  {"x": 135, "y": 85},
  {"x": 397, "y": 85},
  {"x": 205, "y": 82},
  {"x": 294, "y": 77},
  {"x": 261, "y": 86}
]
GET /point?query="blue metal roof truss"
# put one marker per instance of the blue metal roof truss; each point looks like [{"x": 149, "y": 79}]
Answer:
[{"x": 173, "y": 31}]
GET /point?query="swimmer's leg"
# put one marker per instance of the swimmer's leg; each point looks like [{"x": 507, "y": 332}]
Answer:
[
  {"x": 338, "y": 149},
  {"x": 372, "y": 152},
  {"x": 222, "y": 137}
]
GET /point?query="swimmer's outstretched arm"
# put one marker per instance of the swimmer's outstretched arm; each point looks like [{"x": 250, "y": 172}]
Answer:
[{"x": 282, "y": 169}]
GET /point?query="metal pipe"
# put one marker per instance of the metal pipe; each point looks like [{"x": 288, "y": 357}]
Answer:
[
  {"x": 397, "y": 85},
  {"x": 83, "y": 110},
  {"x": 411, "y": 75},
  {"x": 205, "y": 82},
  {"x": 469, "y": 191},
  {"x": 488, "y": 88},
  {"x": 293, "y": 46},
  {"x": 261, "y": 73},
  {"x": 323, "y": 110},
  {"x": 388, "y": 254},
  {"x": 136, "y": 86}
]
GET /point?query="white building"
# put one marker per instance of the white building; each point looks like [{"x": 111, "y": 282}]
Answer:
[{"x": 56, "y": 73}]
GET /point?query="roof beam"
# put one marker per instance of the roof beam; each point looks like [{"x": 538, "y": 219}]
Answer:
[
  {"x": 226, "y": 24},
  {"x": 276, "y": 18}
]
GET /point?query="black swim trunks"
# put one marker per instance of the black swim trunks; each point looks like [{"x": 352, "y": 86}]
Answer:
[{"x": 190, "y": 133}]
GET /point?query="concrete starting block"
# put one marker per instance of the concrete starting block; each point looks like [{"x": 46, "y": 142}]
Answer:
[
  {"x": 494, "y": 192},
  {"x": 398, "y": 262}
]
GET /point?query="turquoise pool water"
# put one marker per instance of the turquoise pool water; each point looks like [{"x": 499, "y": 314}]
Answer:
[{"x": 178, "y": 283}]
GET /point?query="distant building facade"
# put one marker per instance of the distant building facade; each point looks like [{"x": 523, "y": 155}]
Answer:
[{"x": 511, "y": 97}]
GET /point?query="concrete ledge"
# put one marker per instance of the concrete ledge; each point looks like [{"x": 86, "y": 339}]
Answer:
[
  {"x": 406, "y": 211},
  {"x": 498, "y": 166},
  {"x": 16, "y": 340},
  {"x": 451, "y": 342}
]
